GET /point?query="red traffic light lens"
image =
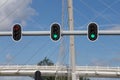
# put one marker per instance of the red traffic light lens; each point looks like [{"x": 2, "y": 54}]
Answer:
[{"x": 16, "y": 27}]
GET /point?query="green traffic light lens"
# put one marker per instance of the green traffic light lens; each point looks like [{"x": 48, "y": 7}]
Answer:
[
  {"x": 55, "y": 36},
  {"x": 92, "y": 35}
]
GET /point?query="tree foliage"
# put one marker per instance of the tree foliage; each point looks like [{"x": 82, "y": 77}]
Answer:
[
  {"x": 48, "y": 62},
  {"x": 45, "y": 62}
]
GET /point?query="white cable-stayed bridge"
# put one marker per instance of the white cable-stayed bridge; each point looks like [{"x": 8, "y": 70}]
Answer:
[{"x": 79, "y": 71}]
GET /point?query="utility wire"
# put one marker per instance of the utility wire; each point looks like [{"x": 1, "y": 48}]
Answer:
[
  {"x": 22, "y": 49},
  {"x": 37, "y": 51},
  {"x": 12, "y": 12},
  {"x": 3, "y": 3},
  {"x": 92, "y": 9},
  {"x": 101, "y": 12},
  {"x": 110, "y": 7}
]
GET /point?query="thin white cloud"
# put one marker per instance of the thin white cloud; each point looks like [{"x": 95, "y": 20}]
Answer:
[
  {"x": 98, "y": 62},
  {"x": 9, "y": 57},
  {"x": 115, "y": 28},
  {"x": 14, "y": 11},
  {"x": 111, "y": 26},
  {"x": 116, "y": 59}
]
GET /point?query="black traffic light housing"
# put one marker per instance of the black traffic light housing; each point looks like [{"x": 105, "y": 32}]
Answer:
[
  {"x": 92, "y": 31},
  {"x": 38, "y": 75},
  {"x": 17, "y": 32},
  {"x": 55, "y": 32}
]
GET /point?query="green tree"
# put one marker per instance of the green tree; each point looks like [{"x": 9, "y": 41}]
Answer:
[
  {"x": 45, "y": 62},
  {"x": 48, "y": 62},
  {"x": 84, "y": 78}
]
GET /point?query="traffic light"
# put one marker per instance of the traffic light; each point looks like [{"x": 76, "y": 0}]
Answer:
[
  {"x": 92, "y": 31},
  {"x": 38, "y": 75},
  {"x": 55, "y": 32},
  {"x": 16, "y": 32}
]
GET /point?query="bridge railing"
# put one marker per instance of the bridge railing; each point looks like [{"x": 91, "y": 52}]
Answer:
[{"x": 98, "y": 68}]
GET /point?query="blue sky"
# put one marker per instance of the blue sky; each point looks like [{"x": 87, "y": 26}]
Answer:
[{"x": 40, "y": 14}]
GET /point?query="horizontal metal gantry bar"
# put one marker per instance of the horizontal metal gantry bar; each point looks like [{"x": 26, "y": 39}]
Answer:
[{"x": 47, "y": 33}]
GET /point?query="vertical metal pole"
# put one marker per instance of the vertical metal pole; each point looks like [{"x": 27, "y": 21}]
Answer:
[{"x": 72, "y": 48}]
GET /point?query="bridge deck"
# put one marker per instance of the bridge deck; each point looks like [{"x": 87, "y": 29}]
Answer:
[{"x": 29, "y": 70}]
